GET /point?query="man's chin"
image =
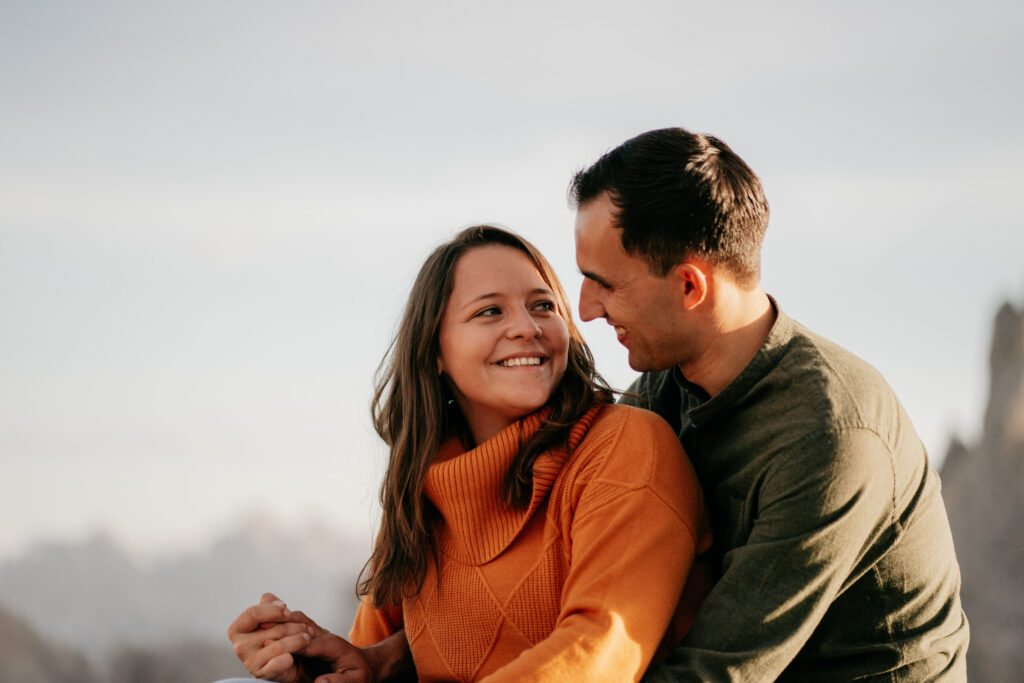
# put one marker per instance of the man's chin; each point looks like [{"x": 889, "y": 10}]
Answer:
[
  {"x": 642, "y": 363},
  {"x": 638, "y": 363}
]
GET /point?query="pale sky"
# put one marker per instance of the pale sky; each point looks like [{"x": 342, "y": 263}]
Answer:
[{"x": 210, "y": 213}]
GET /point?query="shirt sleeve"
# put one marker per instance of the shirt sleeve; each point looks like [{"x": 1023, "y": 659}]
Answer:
[
  {"x": 633, "y": 537},
  {"x": 374, "y": 624},
  {"x": 821, "y": 508}
]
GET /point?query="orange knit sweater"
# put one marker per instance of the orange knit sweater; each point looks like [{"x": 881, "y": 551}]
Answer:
[{"x": 580, "y": 586}]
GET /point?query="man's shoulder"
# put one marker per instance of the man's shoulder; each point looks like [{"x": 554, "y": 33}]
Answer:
[
  {"x": 828, "y": 360},
  {"x": 832, "y": 382},
  {"x": 805, "y": 345}
]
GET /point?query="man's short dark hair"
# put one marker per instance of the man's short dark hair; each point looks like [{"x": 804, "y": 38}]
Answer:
[{"x": 680, "y": 194}]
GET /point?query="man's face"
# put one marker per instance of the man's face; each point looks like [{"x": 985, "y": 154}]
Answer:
[{"x": 644, "y": 309}]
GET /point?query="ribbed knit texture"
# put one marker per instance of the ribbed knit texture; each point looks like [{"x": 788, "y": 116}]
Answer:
[
  {"x": 510, "y": 579},
  {"x": 467, "y": 489}
]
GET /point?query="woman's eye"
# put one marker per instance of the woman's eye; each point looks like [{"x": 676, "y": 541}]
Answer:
[
  {"x": 490, "y": 311},
  {"x": 544, "y": 306}
]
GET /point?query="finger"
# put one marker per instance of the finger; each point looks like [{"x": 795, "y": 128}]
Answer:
[
  {"x": 253, "y": 616},
  {"x": 326, "y": 645},
  {"x": 279, "y": 631},
  {"x": 268, "y": 598},
  {"x": 299, "y": 617},
  {"x": 268, "y": 660},
  {"x": 247, "y": 645},
  {"x": 276, "y": 669}
]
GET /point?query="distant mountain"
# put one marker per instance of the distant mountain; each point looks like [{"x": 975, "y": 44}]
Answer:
[
  {"x": 94, "y": 598},
  {"x": 983, "y": 487},
  {"x": 26, "y": 657},
  {"x": 182, "y": 662}
]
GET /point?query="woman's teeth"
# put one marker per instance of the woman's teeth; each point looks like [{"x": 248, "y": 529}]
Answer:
[{"x": 516, "y": 362}]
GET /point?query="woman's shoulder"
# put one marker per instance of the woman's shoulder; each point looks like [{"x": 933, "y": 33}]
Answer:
[
  {"x": 630, "y": 451},
  {"x": 630, "y": 445},
  {"x": 618, "y": 420}
]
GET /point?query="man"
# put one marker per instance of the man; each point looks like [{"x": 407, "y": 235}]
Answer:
[{"x": 835, "y": 554}]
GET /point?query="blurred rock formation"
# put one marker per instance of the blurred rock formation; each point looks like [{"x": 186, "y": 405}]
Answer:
[
  {"x": 983, "y": 487},
  {"x": 26, "y": 657},
  {"x": 184, "y": 662},
  {"x": 119, "y": 621}
]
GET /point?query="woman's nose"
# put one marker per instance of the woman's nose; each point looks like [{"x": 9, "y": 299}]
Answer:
[{"x": 522, "y": 324}]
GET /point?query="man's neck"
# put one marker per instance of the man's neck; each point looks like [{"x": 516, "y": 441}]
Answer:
[{"x": 740, "y": 322}]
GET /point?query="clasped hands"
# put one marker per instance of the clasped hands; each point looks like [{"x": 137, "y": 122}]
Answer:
[{"x": 278, "y": 644}]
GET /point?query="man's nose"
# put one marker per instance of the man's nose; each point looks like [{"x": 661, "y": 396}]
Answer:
[{"x": 590, "y": 305}]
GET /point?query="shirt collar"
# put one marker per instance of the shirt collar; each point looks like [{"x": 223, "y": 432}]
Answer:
[{"x": 701, "y": 408}]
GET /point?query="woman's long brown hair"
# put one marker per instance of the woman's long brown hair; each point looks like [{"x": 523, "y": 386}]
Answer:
[{"x": 411, "y": 412}]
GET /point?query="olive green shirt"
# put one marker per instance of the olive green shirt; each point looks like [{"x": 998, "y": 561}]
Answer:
[{"x": 836, "y": 557}]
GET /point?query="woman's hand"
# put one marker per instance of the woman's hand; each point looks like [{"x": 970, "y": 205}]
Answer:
[
  {"x": 266, "y": 638},
  {"x": 277, "y": 644}
]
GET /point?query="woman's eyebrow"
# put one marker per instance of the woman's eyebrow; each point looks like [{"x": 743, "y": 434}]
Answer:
[
  {"x": 490, "y": 295},
  {"x": 496, "y": 295}
]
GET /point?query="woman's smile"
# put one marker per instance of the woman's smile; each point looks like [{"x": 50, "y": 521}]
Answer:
[{"x": 525, "y": 361}]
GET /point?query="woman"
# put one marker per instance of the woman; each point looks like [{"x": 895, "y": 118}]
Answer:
[{"x": 531, "y": 530}]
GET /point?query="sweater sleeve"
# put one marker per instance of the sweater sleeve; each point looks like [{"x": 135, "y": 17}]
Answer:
[
  {"x": 374, "y": 624},
  {"x": 633, "y": 538},
  {"x": 818, "y": 516}
]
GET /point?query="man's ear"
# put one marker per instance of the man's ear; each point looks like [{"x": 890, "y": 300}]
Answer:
[{"x": 693, "y": 283}]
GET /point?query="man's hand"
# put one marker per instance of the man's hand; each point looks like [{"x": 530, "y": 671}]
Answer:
[
  {"x": 346, "y": 662},
  {"x": 388, "y": 660}
]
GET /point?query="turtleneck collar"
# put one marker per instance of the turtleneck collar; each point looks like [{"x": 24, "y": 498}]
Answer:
[{"x": 465, "y": 486}]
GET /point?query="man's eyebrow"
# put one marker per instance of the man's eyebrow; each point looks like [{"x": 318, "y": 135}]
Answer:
[{"x": 595, "y": 277}]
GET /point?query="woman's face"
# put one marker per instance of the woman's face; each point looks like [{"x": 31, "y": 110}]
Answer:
[{"x": 504, "y": 345}]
